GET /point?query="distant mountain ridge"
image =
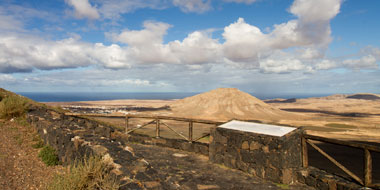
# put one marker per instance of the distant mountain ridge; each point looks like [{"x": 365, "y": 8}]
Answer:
[{"x": 364, "y": 96}]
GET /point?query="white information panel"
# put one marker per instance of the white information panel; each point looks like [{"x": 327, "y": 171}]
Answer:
[{"x": 272, "y": 130}]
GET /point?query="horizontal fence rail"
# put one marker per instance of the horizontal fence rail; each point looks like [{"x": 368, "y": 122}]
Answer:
[
  {"x": 367, "y": 178},
  {"x": 158, "y": 121}
]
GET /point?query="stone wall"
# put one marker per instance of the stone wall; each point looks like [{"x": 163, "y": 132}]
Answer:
[
  {"x": 322, "y": 180},
  {"x": 273, "y": 158},
  {"x": 196, "y": 147},
  {"x": 74, "y": 138}
]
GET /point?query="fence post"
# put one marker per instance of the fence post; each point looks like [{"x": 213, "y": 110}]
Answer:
[
  {"x": 305, "y": 158},
  {"x": 126, "y": 124},
  {"x": 157, "y": 128},
  {"x": 190, "y": 131},
  {"x": 367, "y": 168}
]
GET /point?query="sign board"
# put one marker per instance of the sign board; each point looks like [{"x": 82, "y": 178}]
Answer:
[{"x": 259, "y": 128}]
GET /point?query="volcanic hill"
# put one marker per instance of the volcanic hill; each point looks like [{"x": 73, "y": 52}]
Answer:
[{"x": 228, "y": 103}]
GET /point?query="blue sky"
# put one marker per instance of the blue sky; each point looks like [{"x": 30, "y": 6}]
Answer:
[{"x": 258, "y": 46}]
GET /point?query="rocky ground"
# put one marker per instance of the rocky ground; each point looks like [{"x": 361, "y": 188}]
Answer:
[
  {"x": 185, "y": 170},
  {"x": 20, "y": 167}
]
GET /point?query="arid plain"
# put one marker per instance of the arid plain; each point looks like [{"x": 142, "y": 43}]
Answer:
[{"x": 347, "y": 117}]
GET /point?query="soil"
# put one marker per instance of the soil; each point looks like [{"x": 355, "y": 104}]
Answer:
[{"x": 20, "y": 167}]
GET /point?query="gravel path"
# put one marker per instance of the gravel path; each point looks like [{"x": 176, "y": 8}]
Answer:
[{"x": 20, "y": 167}]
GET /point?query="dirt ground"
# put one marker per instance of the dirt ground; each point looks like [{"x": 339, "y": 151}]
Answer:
[{"x": 20, "y": 167}]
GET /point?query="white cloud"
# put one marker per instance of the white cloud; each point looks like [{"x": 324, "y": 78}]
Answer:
[
  {"x": 112, "y": 9},
  {"x": 146, "y": 45},
  {"x": 112, "y": 56},
  {"x": 25, "y": 53},
  {"x": 281, "y": 66},
  {"x": 83, "y": 9},
  {"x": 240, "y": 1},
  {"x": 5, "y": 78},
  {"x": 315, "y": 11},
  {"x": 243, "y": 42},
  {"x": 198, "y": 6},
  {"x": 309, "y": 53},
  {"x": 308, "y": 35},
  {"x": 121, "y": 82},
  {"x": 196, "y": 48},
  {"x": 152, "y": 33},
  {"x": 365, "y": 62},
  {"x": 325, "y": 65}
]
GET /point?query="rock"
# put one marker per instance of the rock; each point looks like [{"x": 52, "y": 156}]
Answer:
[
  {"x": 99, "y": 150},
  {"x": 179, "y": 155},
  {"x": 245, "y": 145},
  {"x": 206, "y": 187},
  {"x": 254, "y": 146},
  {"x": 151, "y": 184}
]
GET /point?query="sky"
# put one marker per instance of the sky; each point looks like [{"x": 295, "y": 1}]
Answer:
[{"x": 257, "y": 46}]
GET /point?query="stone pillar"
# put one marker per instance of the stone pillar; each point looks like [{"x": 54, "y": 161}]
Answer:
[{"x": 273, "y": 157}]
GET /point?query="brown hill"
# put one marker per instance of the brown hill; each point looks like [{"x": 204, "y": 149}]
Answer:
[{"x": 228, "y": 103}]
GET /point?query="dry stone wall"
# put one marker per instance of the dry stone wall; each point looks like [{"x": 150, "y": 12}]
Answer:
[
  {"x": 273, "y": 158},
  {"x": 196, "y": 147},
  {"x": 74, "y": 138}
]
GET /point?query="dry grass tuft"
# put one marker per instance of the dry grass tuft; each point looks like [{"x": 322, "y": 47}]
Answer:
[
  {"x": 13, "y": 106},
  {"x": 92, "y": 173}
]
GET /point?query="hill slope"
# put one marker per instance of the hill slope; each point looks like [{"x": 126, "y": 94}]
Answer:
[{"x": 228, "y": 103}]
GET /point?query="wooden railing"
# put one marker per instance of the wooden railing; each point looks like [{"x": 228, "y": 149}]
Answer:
[
  {"x": 157, "y": 120},
  {"x": 367, "y": 182}
]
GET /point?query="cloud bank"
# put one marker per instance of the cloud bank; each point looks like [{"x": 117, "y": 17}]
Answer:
[{"x": 297, "y": 45}]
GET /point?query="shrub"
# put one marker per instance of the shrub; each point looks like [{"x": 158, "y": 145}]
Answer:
[
  {"x": 48, "y": 156},
  {"x": 13, "y": 106},
  {"x": 90, "y": 174}
]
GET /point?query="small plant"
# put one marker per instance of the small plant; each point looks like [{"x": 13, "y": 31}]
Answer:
[
  {"x": 282, "y": 186},
  {"x": 38, "y": 145},
  {"x": 22, "y": 121},
  {"x": 91, "y": 173},
  {"x": 38, "y": 142},
  {"x": 48, "y": 156},
  {"x": 13, "y": 106}
]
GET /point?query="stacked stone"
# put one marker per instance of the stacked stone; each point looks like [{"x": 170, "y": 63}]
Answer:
[
  {"x": 196, "y": 147},
  {"x": 76, "y": 138},
  {"x": 269, "y": 157}
]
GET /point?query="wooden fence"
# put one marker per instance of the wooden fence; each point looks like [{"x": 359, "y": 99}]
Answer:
[
  {"x": 158, "y": 121},
  {"x": 367, "y": 182}
]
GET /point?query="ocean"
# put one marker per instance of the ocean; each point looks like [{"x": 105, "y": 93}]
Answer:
[{"x": 93, "y": 96}]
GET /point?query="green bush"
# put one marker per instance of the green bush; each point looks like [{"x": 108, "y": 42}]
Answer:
[
  {"x": 13, "y": 106},
  {"x": 90, "y": 174},
  {"x": 48, "y": 156}
]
